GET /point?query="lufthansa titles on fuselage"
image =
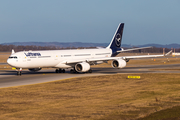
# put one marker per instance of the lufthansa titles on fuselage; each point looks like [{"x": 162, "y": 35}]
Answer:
[{"x": 32, "y": 54}]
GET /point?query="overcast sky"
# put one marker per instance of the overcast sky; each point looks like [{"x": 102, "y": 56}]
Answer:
[{"x": 146, "y": 21}]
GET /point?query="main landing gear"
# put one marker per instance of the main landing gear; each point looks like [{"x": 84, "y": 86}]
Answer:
[
  {"x": 60, "y": 70},
  {"x": 71, "y": 71}
]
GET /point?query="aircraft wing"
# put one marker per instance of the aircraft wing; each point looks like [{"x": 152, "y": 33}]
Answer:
[
  {"x": 142, "y": 56},
  {"x": 146, "y": 56},
  {"x": 113, "y": 58},
  {"x": 133, "y": 49}
]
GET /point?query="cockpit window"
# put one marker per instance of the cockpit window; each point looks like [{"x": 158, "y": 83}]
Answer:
[{"x": 13, "y": 57}]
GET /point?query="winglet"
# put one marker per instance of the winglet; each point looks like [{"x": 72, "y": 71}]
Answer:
[
  {"x": 168, "y": 53},
  {"x": 13, "y": 51}
]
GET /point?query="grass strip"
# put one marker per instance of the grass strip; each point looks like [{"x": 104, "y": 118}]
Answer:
[{"x": 97, "y": 97}]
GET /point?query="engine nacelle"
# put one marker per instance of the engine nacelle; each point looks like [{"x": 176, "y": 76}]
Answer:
[
  {"x": 119, "y": 63},
  {"x": 34, "y": 69},
  {"x": 82, "y": 67}
]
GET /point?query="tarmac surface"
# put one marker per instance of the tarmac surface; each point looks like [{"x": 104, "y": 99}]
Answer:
[
  {"x": 8, "y": 78},
  {"x": 3, "y": 64}
]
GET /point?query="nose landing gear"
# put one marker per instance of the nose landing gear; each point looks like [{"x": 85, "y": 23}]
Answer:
[{"x": 19, "y": 71}]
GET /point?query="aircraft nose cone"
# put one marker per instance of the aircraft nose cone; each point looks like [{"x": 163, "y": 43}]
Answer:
[{"x": 10, "y": 62}]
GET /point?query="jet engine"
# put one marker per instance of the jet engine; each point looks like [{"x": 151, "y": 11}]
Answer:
[
  {"x": 82, "y": 67},
  {"x": 34, "y": 69},
  {"x": 119, "y": 63}
]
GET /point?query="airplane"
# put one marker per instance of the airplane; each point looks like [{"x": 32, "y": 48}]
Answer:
[{"x": 80, "y": 60}]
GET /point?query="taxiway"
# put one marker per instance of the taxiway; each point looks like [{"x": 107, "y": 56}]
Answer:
[{"x": 8, "y": 78}]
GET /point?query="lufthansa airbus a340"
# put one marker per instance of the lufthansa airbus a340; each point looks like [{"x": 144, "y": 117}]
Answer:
[{"x": 79, "y": 60}]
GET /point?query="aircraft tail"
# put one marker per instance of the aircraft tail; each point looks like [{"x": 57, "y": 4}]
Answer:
[{"x": 117, "y": 38}]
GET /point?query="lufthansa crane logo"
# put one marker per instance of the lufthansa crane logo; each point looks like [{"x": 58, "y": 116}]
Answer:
[{"x": 118, "y": 40}]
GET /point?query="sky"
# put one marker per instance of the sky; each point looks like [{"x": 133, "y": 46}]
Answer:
[{"x": 95, "y": 21}]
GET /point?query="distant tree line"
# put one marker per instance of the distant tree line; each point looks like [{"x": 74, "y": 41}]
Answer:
[{"x": 8, "y": 48}]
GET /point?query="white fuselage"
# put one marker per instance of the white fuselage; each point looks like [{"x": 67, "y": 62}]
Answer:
[{"x": 54, "y": 58}]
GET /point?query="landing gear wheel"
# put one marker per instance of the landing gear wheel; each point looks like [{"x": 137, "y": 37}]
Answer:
[
  {"x": 19, "y": 73},
  {"x": 73, "y": 71},
  {"x": 90, "y": 71},
  {"x": 60, "y": 71}
]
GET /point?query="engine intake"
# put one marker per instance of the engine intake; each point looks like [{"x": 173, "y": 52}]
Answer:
[
  {"x": 119, "y": 63},
  {"x": 82, "y": 67}
]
